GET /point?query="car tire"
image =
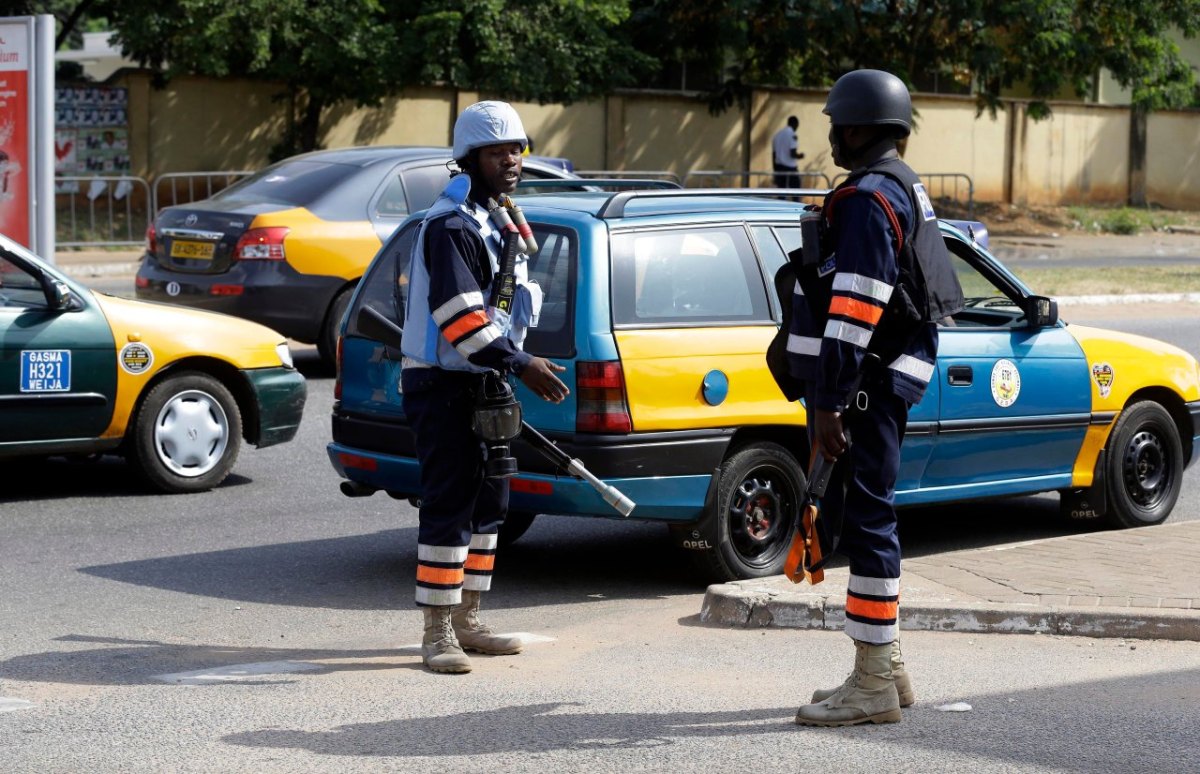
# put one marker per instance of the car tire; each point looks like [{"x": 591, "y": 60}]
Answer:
[
  {"x": 516, "y": 524},
  {"x": 331, "y": 328},
  {"x": 187, "y": 433},
  {"x": 1145, "y": 466},
  {"x": 748, "y": 529}
]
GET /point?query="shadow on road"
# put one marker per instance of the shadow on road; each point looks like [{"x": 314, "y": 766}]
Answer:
[
  {"x": 1049, "y": 739},
  {"x": 562, "y": 564}
]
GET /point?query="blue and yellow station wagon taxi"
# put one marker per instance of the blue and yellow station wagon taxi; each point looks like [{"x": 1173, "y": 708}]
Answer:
[
  {"x": 661, "y": 305},
  {"x": 173, "y": 390}
]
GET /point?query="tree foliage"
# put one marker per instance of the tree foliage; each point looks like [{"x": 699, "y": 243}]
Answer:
[
  {"x": 1045, "y": 48},
  {"x": 325, "y": 51}
]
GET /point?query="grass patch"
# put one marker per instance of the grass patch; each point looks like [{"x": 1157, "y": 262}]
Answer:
[
  {"x": 1124, "y": 220},
  {"x": 1090, "y": 281}
]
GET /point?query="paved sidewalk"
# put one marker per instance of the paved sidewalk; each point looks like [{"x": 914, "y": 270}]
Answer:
[
  {"x": 1142, "y": 583},
  {"x": 82, "y": 264}
]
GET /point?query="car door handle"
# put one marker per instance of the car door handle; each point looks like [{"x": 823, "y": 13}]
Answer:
[{"x": 960, "y": 375}]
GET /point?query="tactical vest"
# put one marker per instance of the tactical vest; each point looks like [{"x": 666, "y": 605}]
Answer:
[
  {"x": 423, "y": 343},
  {"x": 927, "y": 289}
]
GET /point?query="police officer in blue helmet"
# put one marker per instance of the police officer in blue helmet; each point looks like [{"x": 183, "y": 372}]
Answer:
[
  {"x": 470, "y": 303},
  {"x": 864, "y": 345}
]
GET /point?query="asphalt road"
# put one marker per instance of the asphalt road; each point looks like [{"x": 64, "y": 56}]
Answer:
[{"x": 268, "y": 626}]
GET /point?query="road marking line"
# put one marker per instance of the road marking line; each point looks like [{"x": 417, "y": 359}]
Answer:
[
  {"x": 237, "y": 672},
  {"x": 11, "y": 705}
]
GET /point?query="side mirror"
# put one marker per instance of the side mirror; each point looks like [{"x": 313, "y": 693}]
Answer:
[
  {"x": 60, "y": 296},
  {"x": 1041, "y": 311}
]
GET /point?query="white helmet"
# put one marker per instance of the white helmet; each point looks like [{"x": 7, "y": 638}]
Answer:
[{"x": 487, "y": 123}]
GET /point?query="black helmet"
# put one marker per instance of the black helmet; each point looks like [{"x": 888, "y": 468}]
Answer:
[{"x": 870, "y": 98}]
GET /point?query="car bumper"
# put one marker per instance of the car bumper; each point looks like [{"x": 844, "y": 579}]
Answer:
[
  {"x": 267, "y": 292},
  {"x": 678, "y": 498},
  {"x": 279, "y": 394},
  {"x": 665, "y": 454}
]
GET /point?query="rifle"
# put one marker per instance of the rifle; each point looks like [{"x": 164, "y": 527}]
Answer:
[{"x": 806, "y": 559}]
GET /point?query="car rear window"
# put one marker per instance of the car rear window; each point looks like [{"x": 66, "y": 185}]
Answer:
[
  {"x": 385, "y": 287},
  {"x": 687, "y": 277},
  {"x": 292, "y": 182}
]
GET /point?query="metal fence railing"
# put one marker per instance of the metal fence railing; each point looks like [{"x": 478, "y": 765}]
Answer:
[
  {"x": 110, "y": 211},
  {"x": 175, "y": 188},
  {"x": 726, "y": 178},
  {"x": 946, "y": 187}
]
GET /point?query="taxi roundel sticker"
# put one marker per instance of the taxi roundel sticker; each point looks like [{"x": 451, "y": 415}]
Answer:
[
  {"x": 136, "y": 358},
  {"x": 1103, "y": 374},
  {"x": 1006, "y": 383}
]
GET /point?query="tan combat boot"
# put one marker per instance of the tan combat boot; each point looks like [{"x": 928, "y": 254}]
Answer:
[
  {"x": 900, "y": 676},
  {"x": 439, "y": 648},
  {"x": 475, "y": 635},
  {"x": 868, "y": 695}
]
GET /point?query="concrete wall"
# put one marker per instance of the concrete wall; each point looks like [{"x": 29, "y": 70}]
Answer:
[
  {"x": 1173, "y": 160},
  {"x": 1079, "y": 155}
]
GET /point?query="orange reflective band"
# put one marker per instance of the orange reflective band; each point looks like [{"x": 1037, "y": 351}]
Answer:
[
  {"x": 481, "y": 561},
  {"x": 465, "y": 324},
  {"x": 852, "y": 307},
  {"x": 880, "y": 611},
  {"x": 440, "y": 575}
]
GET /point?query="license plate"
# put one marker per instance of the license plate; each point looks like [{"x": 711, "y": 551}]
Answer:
[
  {"x": 199, "y": 250},
  {"x": 45, "y": 370}
]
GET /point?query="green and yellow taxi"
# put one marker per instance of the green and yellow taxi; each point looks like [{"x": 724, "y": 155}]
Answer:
[{"x": 173, "y": 390}]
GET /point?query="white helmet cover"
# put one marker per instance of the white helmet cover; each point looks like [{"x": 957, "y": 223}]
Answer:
[{"x": 487, "y": 123}]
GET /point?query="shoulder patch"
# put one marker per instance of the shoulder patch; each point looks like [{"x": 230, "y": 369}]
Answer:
[{"x": 924, "y": 202}]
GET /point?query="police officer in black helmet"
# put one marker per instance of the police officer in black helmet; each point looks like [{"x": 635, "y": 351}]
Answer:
[{"x": 869, "y": 308}]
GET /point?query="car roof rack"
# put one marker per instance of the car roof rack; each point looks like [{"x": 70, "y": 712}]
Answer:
[
  {"x": 598, "y": 182},
  {"x": 615, "y": 206}
]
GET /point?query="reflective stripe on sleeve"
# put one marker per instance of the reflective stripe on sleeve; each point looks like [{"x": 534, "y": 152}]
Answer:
[
  {"x": 472, "y": 344},
  {"x": 847, "y": 332},
  {"x": 847, "y": 282},
  {"x": 859, "y": 310},
  {"x": 468, "y": 323},
  {"x": 803, "y": 345},
  {"x": 457, "y": 304},
  {"x": 914, "y": 367}
]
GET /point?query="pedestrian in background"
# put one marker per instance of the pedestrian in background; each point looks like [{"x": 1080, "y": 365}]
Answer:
[
  {"x": 454, "y": 335},
  {"x": 784, "y": 155},
  {"x": 882, "y": 281}
]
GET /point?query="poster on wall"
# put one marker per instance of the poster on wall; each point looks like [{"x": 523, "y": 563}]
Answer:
[
  {"x": 91, "y": 134},
  {"x": 16, "y": 158}
]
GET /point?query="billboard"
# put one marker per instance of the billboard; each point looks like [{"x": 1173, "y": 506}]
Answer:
[{"x": 16, "y": 131}]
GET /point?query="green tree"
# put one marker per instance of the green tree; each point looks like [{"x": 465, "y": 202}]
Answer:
[
  {"x": 1049, "y": 47},
  {"x": 326, "y": 51}
]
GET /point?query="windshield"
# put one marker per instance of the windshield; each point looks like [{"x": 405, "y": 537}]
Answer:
[{"x": 296, "y": 183}]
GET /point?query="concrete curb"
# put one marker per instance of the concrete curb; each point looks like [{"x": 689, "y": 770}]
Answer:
[{"x": 728, "y": 604}]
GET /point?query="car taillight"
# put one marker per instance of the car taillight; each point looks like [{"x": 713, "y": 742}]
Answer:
[
  {"x": 600, "y": 405},
  {"x": 337, "y": 380},
  {"x": 151, "y": 239},
  {"x": 261, "y": 244}
]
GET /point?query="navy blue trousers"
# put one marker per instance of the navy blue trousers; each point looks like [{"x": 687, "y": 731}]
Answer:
[
  {"x": 461, "y": 510},
  {"x": 867, "y": 500}
]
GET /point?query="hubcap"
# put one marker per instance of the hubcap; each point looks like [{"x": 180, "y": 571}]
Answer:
[
  {"x": 1145, "y": 469},
  {"x": 191, "y": 433}
]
